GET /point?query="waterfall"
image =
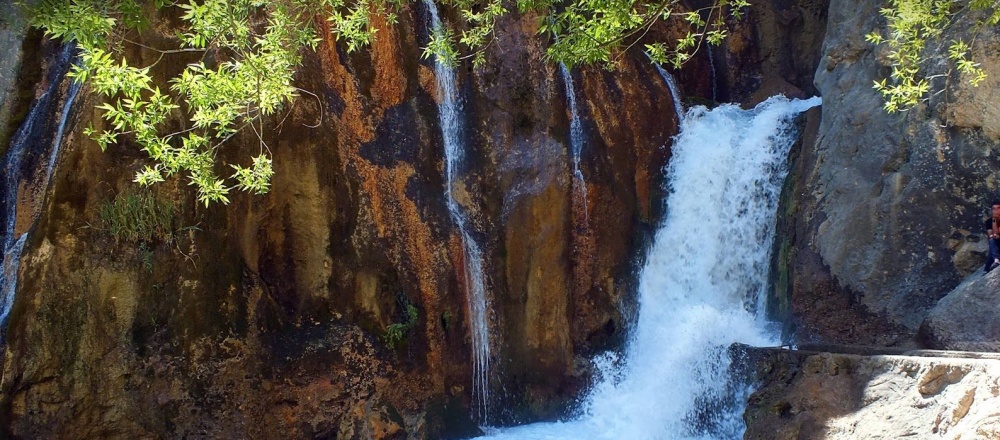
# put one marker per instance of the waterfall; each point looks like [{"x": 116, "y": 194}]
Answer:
[
  {"x": 450, "y": 110},
  {"x": 675, "y": 92},
  {"x": 26, "y": 144},
  {"x": 575, "y": 139},
  {"x": 711, "y": 65},
  {"x": 700, "y": 286}
]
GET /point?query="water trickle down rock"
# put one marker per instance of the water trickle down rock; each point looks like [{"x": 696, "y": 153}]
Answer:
[
  {"x": 22, "y": 184},
  {"x": 479, "y": 310},
  {"x": 576, "y": 145}
]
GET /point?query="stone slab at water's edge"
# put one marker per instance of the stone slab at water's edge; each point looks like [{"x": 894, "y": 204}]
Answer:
[{"x": 871, "y": 393}]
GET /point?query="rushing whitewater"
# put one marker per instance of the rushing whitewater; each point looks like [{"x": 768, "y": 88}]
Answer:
[
  {"x": 450, "y": 111},
  {"x": 575, "y": 138},
  {"x": 24, "y": 146},
  {"x": 700, "y": 287}
]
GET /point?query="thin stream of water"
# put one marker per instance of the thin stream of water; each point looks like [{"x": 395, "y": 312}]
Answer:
[
  {"x": 711, "y": 65},
  {"x": 575, "y": 139},
  {"x": 675, "y": 92},
  {"x": 450, "y": 112}
]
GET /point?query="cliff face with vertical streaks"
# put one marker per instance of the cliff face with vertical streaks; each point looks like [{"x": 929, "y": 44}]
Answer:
[{"x": 267, "y": 317}]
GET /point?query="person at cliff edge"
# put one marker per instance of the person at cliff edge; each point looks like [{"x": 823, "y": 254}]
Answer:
[{"x": 993, "y": 230}]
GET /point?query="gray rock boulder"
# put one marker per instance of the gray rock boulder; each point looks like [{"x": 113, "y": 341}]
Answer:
[{"x": 967, "y": 318}]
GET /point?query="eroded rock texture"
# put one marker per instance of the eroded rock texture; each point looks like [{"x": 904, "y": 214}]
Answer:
[
  {"x": 14, "y": 92},
  {"x": 265, "y": 318}
]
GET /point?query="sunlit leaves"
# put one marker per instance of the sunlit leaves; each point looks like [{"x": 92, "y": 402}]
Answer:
[
  {"x": 601, "y": 31},
  {"x": 657, "y": 53},
  {"x": 257, "y": 178},
  {"x": 442, "y": 47},
  {"x": 958, "y": 52},
  {"x": 450, "y": 46},
  {"x": 255, "y": 51},
  {"x": 248, "y": 52},
  {"x": 148, "y": 176},
  {"x": 912, "y": 24},
  {"x": 85, "y": 21}
]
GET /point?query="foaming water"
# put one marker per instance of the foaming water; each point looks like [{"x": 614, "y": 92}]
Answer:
[
  {"x": 700, "y": 288},
  {"x": 31, "y": 136},
  {"x": 450, "y": 111},
  {"x": 575, "y": 139}
]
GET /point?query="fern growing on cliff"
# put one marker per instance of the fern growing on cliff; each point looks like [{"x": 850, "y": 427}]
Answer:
[
  {"x": 397, "y": 332},
  {"x": 242, "y": 57},
  {"x": 137, "y": 217},
  {"x": 910, "y": 26}
]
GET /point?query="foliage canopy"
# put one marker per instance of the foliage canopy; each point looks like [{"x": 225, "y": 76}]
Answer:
[{"x": 247, "y": 53}]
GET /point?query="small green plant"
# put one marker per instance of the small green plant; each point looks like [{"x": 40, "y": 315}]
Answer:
[
  {"x": 397, "y": 333},
  {"x": 137, "y": 217},
  {"x": 446, "y": 319},
  {"x": 147, "y": 256}
]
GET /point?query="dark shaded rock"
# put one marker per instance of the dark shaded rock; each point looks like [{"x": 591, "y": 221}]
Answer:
[
  {"x": 396, "y": 138},
  {"x": 778, "y": 41},
  {"x": 16, "y": 79}
]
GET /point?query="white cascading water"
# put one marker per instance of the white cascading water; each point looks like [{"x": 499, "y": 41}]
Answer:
[
  {"x": 449, "y": 110},
  {"x": 25, "y": 138},
  {"x": 711, "y": 65},
  {"x": 575, "y": 138},
  {"x": 700, "y": 287},
  {"x": 675, "y": 92}
]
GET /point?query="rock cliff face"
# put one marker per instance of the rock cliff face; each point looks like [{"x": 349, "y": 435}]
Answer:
[
  {"x": 886, "y": 209},
  {"x": 265, "y": 318}
]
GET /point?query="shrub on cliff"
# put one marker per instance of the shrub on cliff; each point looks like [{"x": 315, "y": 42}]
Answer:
[
  {"x": 910, "y": 26},
  {"x": 248, "y": 52}
]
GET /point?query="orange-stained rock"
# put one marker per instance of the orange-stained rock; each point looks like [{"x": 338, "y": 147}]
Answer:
[{"x": 266, "y": 318}]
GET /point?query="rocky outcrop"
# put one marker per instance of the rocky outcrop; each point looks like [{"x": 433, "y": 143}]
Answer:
[
  {"x": 775, "y": 50},
  {"x": 15, "y": 78},
  {"x": 266, "y": 318},
  {"x": 886, "y": 208},
  {"x": 967, "y": 318},
  {"x": 872, "y": 394}
]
